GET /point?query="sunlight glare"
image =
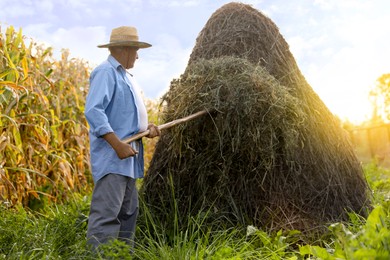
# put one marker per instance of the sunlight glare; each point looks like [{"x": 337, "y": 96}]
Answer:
[{"x": 355, "y": 107}]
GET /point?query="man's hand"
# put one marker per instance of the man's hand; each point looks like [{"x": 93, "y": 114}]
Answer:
[
  {"x": 153, "y": 131},
  {"x": 123, "y": 150}
]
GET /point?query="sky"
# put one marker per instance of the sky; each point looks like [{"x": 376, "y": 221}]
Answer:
[{"x": 340, "y": 46}]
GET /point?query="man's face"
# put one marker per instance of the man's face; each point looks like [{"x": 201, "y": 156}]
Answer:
[{"x": 131, "y": 55}]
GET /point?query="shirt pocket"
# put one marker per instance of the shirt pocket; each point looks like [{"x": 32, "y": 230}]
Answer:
[{"x": 125, "y": 97}]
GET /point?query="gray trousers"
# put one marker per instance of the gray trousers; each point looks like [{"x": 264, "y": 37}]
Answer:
[{"x": 114, "y": 210}]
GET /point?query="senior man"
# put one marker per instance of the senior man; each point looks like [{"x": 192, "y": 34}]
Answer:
[{"x": 115, "y": 110}]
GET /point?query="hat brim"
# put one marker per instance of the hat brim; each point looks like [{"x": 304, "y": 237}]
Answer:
[{"x": 126, "y": 43}]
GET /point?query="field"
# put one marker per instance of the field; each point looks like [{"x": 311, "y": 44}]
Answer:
[
  {"x": 58, "y": 232},
  {"x": 45, "y": 182}
]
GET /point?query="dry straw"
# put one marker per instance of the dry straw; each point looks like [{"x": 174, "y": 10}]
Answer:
[{"x": 270, "y": 153}]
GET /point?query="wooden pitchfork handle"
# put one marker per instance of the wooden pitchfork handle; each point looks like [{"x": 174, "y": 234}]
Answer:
[{"x": 165, "y": 126}]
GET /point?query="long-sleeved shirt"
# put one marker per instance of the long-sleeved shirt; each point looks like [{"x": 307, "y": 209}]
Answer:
[{"x": 113, "y": 105}]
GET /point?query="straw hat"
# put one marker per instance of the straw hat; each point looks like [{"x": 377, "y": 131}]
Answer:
[{"x": 125, "y": 36}]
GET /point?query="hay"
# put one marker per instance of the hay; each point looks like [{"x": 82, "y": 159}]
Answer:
[
  {"x": 241, "y": 31},
  {"x": 270, "y": 153}
]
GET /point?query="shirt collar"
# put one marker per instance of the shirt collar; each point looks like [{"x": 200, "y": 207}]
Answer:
[{"x": 114, "y": 62}]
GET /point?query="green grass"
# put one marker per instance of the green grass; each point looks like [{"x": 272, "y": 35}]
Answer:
[{"x": 58, "y": 232}]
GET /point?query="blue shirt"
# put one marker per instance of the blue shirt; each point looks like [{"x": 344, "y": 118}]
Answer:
[{"x": 111, "y": 107}]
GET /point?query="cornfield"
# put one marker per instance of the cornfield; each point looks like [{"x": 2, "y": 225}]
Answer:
[
  {"x": 44, "y": 146},
  {"x": 44, "y": 154}
]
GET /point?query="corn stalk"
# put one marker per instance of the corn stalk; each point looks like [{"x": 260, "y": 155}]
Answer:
[{"x": 44, "y": 152}]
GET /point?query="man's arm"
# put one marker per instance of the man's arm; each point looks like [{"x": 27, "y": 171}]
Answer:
[{"x": 123, "y": 150}]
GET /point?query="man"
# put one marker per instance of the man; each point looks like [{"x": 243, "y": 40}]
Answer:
[{"x": 115, "y": 110}]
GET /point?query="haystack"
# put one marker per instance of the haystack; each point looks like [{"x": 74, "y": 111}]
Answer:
[{"x": 269, "y": 153}]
